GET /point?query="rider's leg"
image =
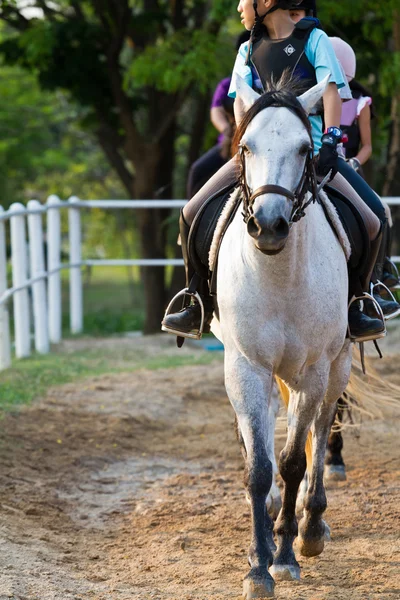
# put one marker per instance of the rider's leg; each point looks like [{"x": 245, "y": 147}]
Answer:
[
  {"x": 189, "y": 318},
  {"x": 372, "y": 200},
  {"x": 227, "y": 175}
]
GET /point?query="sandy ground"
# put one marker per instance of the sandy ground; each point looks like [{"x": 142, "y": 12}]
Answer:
[{"x": 130, "y": 487}]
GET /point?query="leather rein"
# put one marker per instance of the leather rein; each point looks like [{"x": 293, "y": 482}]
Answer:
[{"x": 307, "y": 183}]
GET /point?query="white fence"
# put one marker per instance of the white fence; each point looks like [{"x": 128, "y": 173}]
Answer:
[{"x": 29, "y": 269}]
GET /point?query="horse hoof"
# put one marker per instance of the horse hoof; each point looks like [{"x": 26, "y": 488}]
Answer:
[
  {"x": 327, "y": 534},
  {"x": 335, "y": 473},
  {"x": 310, "y": 548},
  {"x": 285, "y": 572},
  {"x": 258, "y": 584}
]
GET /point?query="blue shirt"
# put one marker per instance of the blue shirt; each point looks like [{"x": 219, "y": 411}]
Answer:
[{"x": 321, "y": 55}]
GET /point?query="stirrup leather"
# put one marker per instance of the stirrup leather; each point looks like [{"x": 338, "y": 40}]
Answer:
[
  {"x": 368, "y": 337},
  {"x": 196, "y": 335},
  {"x": 379, "y": 284}
]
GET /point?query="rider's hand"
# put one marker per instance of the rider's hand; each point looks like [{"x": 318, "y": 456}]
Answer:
[
  {"x": 354, "y": 163},
  {"x": 327, "y": 160}
]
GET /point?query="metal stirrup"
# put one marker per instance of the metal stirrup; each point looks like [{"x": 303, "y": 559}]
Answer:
[
  {"x": 197, "y": 335},
  {"x": 396, "y": 273},
  {"x": 369, "y": 337}
]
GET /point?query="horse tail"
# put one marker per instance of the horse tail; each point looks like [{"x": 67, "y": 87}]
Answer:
[
  {"x": 370, "y": 395},
  {"x": 285, "y": 395}
]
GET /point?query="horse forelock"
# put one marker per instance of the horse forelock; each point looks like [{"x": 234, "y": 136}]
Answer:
[{"x": 279, "y": 95}]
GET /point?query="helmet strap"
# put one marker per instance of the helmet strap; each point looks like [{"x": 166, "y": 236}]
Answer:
[{"x": 258, "y": 22}]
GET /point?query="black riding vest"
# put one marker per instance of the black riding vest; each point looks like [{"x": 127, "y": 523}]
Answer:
[
  {"x": 271, "y": 58},
  {"x": 352, "y": 146}
]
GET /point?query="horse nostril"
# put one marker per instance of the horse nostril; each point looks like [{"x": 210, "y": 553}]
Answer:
[
  {"x": 253, "y": 227},
  {"x": 281, "y": 227}
]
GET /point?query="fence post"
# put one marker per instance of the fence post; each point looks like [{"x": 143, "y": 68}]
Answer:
[
  {"x": 5, "y": 340},
  {"x": 39, "y": 287},
  {"x": 75, "y": 273},
  {"x": 53, "y": 263},
  {"x": 19, "y": 260}
]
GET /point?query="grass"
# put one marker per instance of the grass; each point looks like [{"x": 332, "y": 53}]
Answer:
[
  {"x": 109, "y": 306},
  {"x": 31, "y": 378}
]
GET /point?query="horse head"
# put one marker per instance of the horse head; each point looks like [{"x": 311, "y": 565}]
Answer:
[{"x": 276, "y": 152}]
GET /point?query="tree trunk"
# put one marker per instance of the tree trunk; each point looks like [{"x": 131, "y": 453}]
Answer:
[{"x": 154, "y": 174}]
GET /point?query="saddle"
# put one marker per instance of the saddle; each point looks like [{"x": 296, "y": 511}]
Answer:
[
  {"x": 203, "y": 228},
  {"x": 205, "y": 234}
]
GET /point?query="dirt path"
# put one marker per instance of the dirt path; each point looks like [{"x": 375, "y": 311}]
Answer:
[{"x": 130, "y": 487}]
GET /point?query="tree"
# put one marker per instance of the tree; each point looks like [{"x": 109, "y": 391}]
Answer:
[
  {"x": 132, "y": 65},
  {"x": 373, "y": 30}
]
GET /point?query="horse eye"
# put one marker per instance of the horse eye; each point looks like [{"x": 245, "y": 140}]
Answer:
[
  {"x": 305, "y": 148},
  {"x": 245, "y": 149}
]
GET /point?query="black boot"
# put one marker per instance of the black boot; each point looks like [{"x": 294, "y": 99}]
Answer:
[
  {"x": 390, "y": 308},
  {"x": 187, "y": 322},
  {"x": 390, "y": 276},
  {"x": 362, "y": 327}
]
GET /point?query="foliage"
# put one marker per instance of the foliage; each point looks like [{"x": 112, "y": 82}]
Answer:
[
  {"x": 179, "y": 61},
  {"x": 50, "y": 153}
]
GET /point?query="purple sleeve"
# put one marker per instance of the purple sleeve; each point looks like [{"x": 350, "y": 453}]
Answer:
[{"x": 221, "y": 92}]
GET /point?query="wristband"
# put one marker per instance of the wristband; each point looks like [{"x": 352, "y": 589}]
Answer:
[{"x": 335, "y": 131}]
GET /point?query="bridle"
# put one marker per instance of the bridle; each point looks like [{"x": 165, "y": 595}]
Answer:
[{"x": 307, "y": 183}]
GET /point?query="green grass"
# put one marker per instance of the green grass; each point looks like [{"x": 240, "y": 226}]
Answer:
[
  {"x": 31, "y": 378},
  {"x": 109, "y": 306}
]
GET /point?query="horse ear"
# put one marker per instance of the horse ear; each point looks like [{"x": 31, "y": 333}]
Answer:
[
  {"x": 310, "y": 98},
  {"x": 245, "y": 97}
]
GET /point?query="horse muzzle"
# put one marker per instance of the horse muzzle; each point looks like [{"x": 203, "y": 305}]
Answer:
[{"x": 269, "y": 233}]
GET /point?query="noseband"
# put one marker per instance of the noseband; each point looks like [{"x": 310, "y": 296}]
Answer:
[{"x": 307, "y": 183}]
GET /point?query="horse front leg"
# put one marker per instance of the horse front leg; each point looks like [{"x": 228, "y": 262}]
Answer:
[
  {"x": 302, "y": 409},
  {"x": 312, "y": 529},
  {"x": 274, "y": 500},
  {"x": 249, "y": 386}
]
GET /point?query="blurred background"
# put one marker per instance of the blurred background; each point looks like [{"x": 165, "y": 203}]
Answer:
[{"x": 110, "y": 99}]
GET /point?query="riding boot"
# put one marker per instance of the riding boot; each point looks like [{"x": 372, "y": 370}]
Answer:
[
  {"x": 362, "y": 328},
  {"x": 390, "y": 275},
  {"x": 390, "y": 308},
  {"x": 187, "y": 322}
]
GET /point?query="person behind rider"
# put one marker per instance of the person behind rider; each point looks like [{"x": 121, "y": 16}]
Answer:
[
  {"x": 222, "y": 117},
  {"x": 306, "y": 8},
  {"x": 356, "y": 125},
  {"x": 272, "y": 50}
]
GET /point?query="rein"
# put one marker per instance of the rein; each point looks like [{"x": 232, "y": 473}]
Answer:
[{"x": 307, "y": 183}]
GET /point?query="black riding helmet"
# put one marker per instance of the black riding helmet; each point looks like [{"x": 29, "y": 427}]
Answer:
[{"x": 310, "y": 6}]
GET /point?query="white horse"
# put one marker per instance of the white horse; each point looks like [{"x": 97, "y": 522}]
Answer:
[{"x": 282, "y": 295}]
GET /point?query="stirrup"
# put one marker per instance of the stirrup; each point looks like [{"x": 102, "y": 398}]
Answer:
[
  {"x": 379, "y": 284},
  {"x": 395, "y": 273},
  {"x": 196, "y": 335},
  {"x": 368, "y": 337}
]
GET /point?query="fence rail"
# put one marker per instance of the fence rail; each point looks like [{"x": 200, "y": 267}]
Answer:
[{"x": 29, "y": 270}]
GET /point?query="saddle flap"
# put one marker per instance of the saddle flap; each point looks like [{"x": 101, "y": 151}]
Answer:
[
  {"x": 354, "y": 227},
  {"x": 203, "y": 228}
]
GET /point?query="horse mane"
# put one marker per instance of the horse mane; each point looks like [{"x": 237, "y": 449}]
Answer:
[{"x": 281, "y": 93}]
